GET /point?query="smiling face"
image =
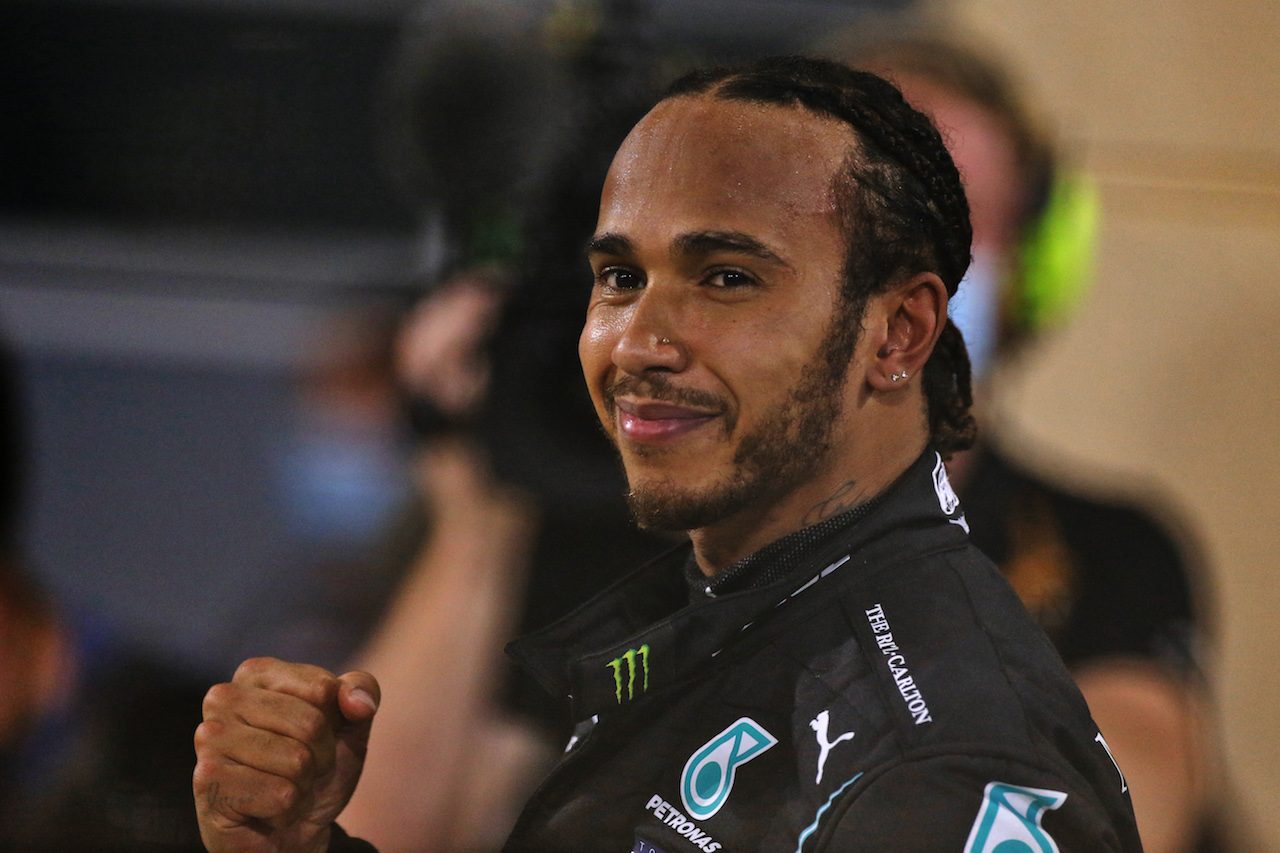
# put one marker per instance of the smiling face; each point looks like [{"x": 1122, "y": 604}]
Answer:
[{"x": 714, "y": 347}]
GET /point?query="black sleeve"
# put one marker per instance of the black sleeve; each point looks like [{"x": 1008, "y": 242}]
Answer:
[
  {"x": 1135, "y": 597},
  {"x": 969, "y": 804},
  {"x": 1131, "y": 585},
  {"x": 340, "y": 842}
]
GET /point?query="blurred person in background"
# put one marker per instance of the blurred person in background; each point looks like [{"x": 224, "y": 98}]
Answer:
[
  {"x": 341, "y": 480},
  {"x": 38, "y": 659},
  {"x": 95, "y": 751},
  {"x": 1116, "y": 591}
]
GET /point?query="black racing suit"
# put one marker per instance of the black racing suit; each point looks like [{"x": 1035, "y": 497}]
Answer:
[{"x": 889, "y": 693}]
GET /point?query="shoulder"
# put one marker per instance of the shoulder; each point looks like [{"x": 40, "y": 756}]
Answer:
[
  {"x": 980, "y": 718},
  {"x": 953, "y": 618},
  {"x": 932, "y": 651},
  {"x": 950, "y": 660}
]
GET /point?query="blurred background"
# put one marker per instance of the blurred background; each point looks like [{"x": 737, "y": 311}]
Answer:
[{"x": 211, "y": 221}]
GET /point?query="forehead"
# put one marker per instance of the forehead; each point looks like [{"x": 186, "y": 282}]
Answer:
[{"x": 717, "y": 164}]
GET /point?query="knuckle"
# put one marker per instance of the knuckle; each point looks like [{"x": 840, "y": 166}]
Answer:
[
  {"x": 213, "y": 794},
  {"x": 298, "y": 761},
  {"x": 325, "y": 688},
  {"x": 312, "y": 723},
  {"x": 253, "y": 667},
  {"x": 203, "y": 779},
  {"x": 284, "y": 795},
  {"x": 207, "y": 736},
  {"x": 218, "y": 697}
]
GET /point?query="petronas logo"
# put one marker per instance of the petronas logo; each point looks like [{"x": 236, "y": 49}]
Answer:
[
  {"x": 1009, "y": 820},
  {"x": 709, "y": 773},
  {"x": 627, "y": 663}
]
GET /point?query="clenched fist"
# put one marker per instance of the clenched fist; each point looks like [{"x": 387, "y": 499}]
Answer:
[{"x": 279, "y": 754}]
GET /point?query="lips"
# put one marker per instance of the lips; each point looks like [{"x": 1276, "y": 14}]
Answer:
[{"x": 655, "y": 421}]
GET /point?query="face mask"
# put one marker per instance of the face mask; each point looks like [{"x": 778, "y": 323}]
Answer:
[
  {"x": 344, "y": 484},
  {"x": 975, "y": 309}
]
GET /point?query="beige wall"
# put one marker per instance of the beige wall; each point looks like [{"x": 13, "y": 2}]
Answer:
[{"x": 1171, "y": 375}]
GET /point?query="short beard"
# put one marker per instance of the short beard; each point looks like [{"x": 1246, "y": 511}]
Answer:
[{"x": 782, "y": 453}]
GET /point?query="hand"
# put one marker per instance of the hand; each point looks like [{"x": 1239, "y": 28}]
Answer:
[
  {"x": 279, "y": 754},
  {"x": 440, "y": 352},
  {"x": 462, "y": 492}
]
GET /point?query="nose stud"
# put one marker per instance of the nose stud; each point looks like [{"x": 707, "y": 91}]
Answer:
[{"x": 665, "y": 341}]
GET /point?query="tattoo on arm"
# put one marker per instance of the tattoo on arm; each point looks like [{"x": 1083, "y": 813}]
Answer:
[{"x": 844, "y": 498}]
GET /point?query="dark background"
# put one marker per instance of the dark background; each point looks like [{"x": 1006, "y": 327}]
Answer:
[{"x": 184, "y": 188}]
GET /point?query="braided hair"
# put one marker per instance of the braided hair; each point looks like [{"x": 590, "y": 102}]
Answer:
[{"x": 901, "y": 203}]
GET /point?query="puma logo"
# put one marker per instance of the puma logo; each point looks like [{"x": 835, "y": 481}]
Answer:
[{"x": 819, "y": 726}]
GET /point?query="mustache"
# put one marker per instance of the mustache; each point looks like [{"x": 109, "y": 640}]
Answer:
[{"x": 660, "y": 388}]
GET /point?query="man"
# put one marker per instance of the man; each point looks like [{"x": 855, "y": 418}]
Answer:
[{"x": 827, "y": 664}]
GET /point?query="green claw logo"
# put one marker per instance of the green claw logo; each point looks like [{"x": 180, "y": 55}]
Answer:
[{"x": 629, "y": 659}]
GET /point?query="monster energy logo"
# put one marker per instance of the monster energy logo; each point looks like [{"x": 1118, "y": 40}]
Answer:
[{"x": 629, "y": 661}]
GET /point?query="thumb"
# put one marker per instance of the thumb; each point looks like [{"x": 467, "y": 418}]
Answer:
[
  {"x": 357, "y": 702},
  {"x": 358, "y": 699}
]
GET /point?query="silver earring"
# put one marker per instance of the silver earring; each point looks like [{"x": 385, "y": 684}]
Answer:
[{"x": 895, "y": 377}]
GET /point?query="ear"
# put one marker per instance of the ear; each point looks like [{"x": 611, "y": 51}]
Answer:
[{"x": 914, "y": 313}]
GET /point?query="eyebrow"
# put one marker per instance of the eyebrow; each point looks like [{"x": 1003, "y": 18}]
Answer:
[
  {"x": 707, "y": 242},
  {"x": 690, "y": 245},
  {"x": 610, "y": 244}
]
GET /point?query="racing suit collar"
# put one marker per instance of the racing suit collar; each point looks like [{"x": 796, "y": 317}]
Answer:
[
  {"x": 775, "y": 561},
  {"x": 641, "y": 636}
]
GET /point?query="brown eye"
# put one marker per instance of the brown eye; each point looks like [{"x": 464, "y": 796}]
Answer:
[
  {"x": 729, "y": 278},
  {"x": 619, "y": 278}
]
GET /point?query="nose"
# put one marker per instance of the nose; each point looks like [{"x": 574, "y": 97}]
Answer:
[{"x": 650, "y": 338}]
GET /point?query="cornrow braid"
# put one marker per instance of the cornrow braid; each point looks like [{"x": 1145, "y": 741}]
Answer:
[
  {"x": 949, "y": 392},
  {"x": 900, "y": 199}
]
